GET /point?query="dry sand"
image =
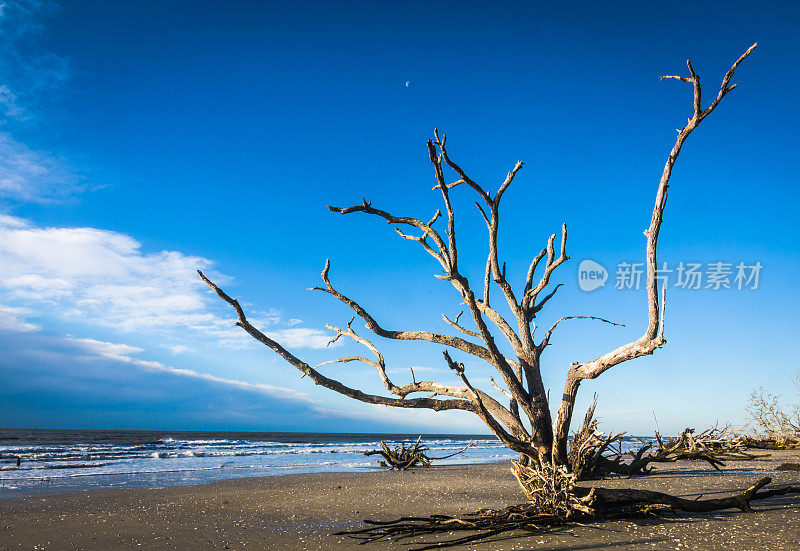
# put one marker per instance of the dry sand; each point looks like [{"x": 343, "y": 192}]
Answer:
[{"x": 302, "y": 511}]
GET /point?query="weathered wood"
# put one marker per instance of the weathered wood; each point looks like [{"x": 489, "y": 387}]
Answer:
[{"x": 620, "y": 497}]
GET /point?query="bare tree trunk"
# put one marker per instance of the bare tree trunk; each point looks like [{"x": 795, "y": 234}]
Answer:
[
  {"x": 565, "y": 417},
  {"x": 542, "y": 422}
]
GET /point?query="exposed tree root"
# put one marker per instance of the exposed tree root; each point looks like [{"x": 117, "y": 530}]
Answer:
[
  {"x": 401, "y": 458},
  {"x": 597, "y": 504},
  {"x": 484, "y": 524}
]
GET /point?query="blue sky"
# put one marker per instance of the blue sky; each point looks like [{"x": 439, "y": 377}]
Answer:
[{"x": 140, "y": 141}]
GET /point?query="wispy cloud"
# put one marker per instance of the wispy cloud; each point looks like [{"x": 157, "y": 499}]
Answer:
[
  {"x": 124, "y": 353},
  {"x": 416, "y": 368},
  {"x": 177, "y": 348},
  {"x": 423, "y": 420},
  {"x": 9, "y": 104},
  {"x": 31, "y": 76},
  {"x": 33, "y": 176},
  {"x": 29, "y": 80},
  {"x": 94, "y": 383},
  {"x": 301, "y": 337}
]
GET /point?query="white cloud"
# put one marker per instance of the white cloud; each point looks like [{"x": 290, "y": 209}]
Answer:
[
  {"x": 29, "y": 72},
  {"x": 410, "y": 419},
  {"x": 123, "y": 353},
  {"x": 416, "y": 368},
  {"x": 12, "y": 319},
  {"x": 178, "y": 348},
  {"x": 103, "y": 277},
  {"x": 297, "y": 337}
]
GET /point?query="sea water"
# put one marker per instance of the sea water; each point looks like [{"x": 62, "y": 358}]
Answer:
[{"x": 52, "y": 460}]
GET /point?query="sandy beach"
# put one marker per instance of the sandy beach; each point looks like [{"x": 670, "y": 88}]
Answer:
[{"x": 302, "y": 511}]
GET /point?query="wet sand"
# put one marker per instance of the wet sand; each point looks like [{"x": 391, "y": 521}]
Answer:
[{"x": 302, "y": 511}]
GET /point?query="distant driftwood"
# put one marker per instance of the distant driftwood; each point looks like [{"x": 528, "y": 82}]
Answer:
[
  {"x": 594, "y": 455},
  {"x": 401, "y": 457}
]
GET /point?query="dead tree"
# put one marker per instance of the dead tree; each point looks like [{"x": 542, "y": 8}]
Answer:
[
  {"x": 774, "y": 428},
  {"x": 524, "y": 424}
]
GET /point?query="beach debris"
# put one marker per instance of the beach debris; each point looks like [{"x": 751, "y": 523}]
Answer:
[
  {"x": 400, "y": 457},
  {"x": 587, "y": 457},
  {"x": 550, "y": 488},
  {"x": 773, "y": 443}
]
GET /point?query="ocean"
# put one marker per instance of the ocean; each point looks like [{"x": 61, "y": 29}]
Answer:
[{"x": 54, "y": 460}]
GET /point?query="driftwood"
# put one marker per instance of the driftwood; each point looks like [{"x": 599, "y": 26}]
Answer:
[
  {"x": 712, "y": 446},
  {"x": 550, "y": 488},
  {"x": 595, "y": 504},
  {"x": 401, "y": 457},
  {"x": 774, "y": 443},
  {"x": 594, "y": 455}
]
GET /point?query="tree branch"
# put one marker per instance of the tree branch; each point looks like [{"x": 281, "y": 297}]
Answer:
[
  {"x": 455, "y": 324},
  {"x": 374, "y": 326},
  {"x": 546, "y": 340},
  {"x": 515, "y": 444},
  {"x": 653, "y": 337},
  {"x": 332, "y": 384},
  {"x": 551, "y": 264},
  {"x": 441, "y": 256}
]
